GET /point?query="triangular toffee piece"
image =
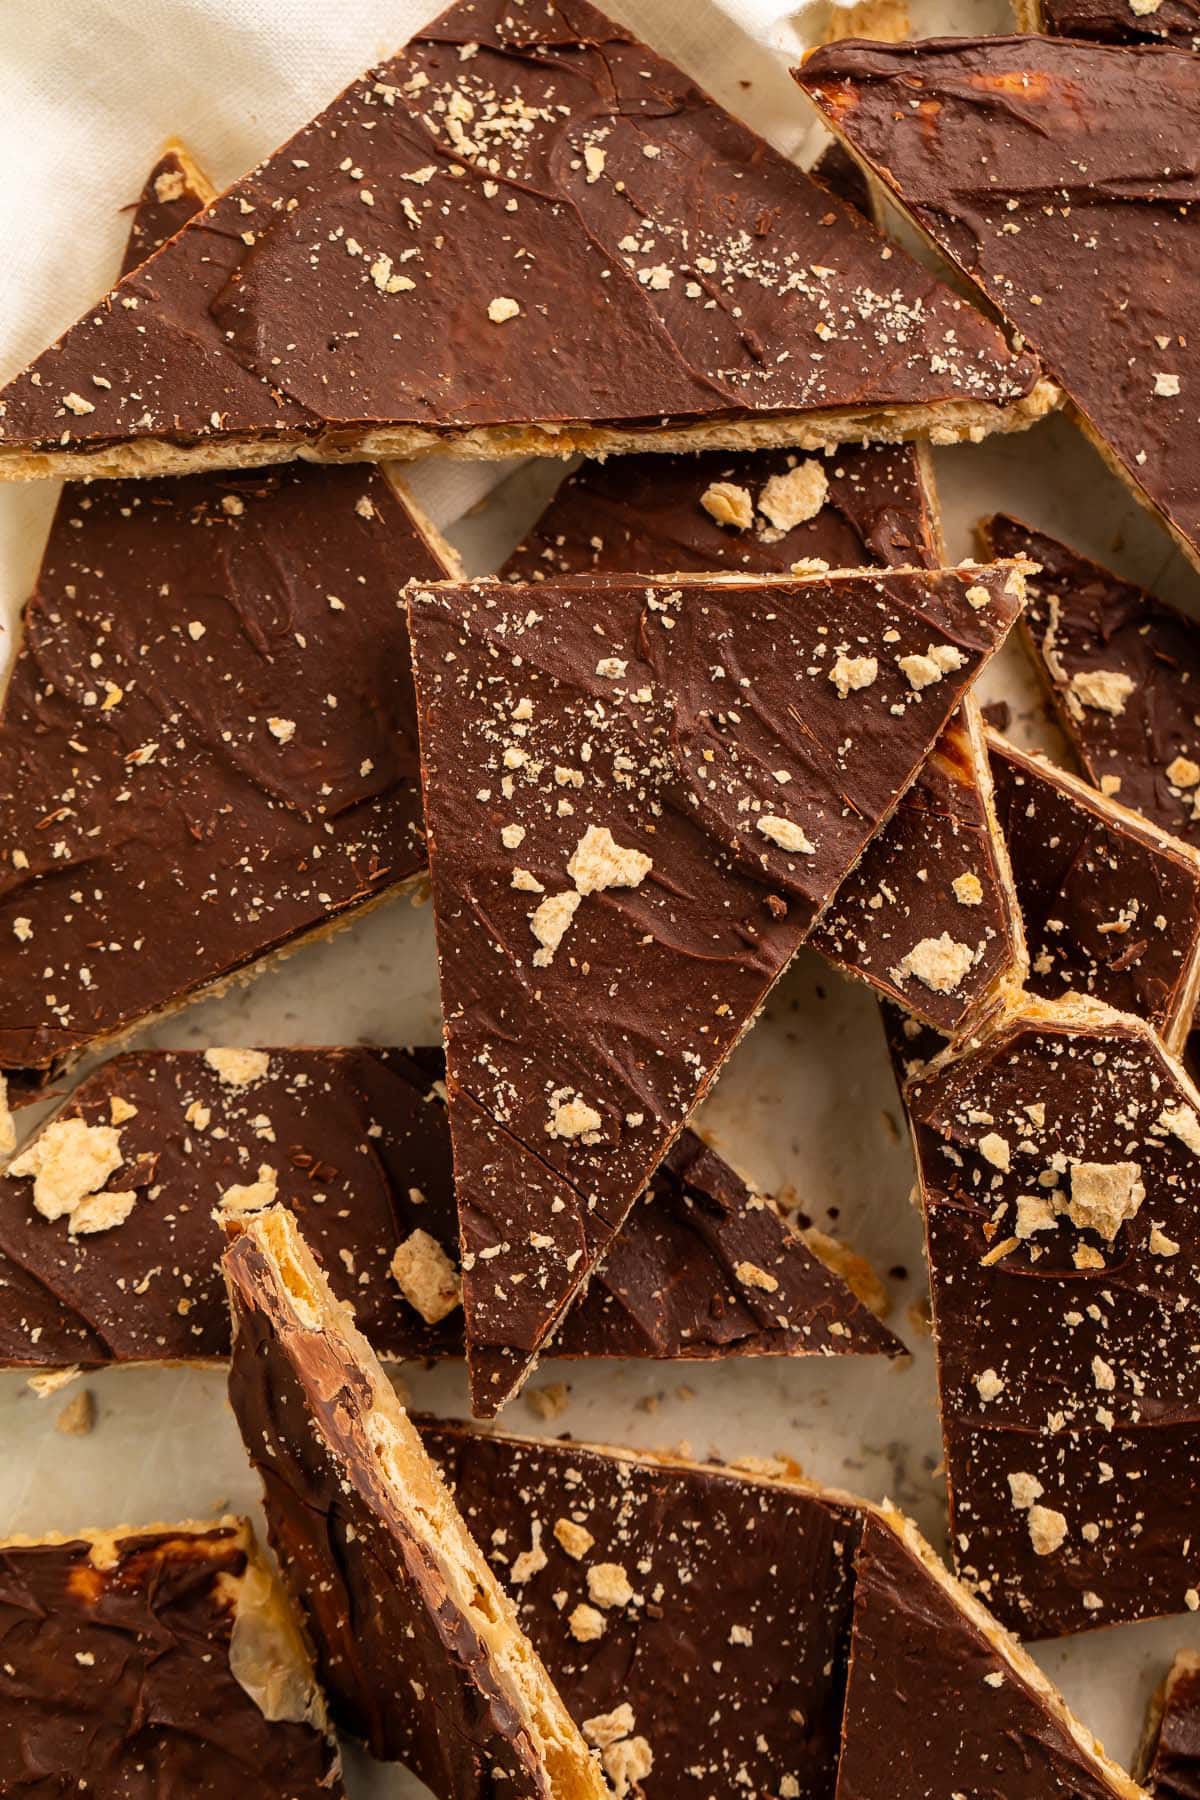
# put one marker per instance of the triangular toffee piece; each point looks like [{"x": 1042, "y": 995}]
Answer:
[
  {"x": 111, "y": 1222},
  {"x": 175, "y": 191},
  {"x": 1062, "y": 178},
  {"x": 527, "y": 232},
  {"x": 161, "y": 1659},
  {"x": 639, "y": 799},
  {"x": 1123, "y": 671},
  {"x": 419, "y": 1644},
  {"x": 1058, "y": 1163},
  {"x": 1111, "y": 905}
]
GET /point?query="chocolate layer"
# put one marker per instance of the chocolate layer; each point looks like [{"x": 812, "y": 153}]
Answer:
[
  {"x": 416, "y": 1643},
  {"x": 1123, "y": 670},
  {"x": 1170, "y": 1764},
  {"x": 1121, "y": 21},
  {"x": 135, "y": 1666},
  {"x": 718, "y": 1607},
  {"x": 1111, "y": 906},
  {"x": 396, "y": 278},
  {"x": 935, "y": 1705},
  {"x": 1057, "y": 1164},
  {"x": 639, "y": 514},
  {"x": 207, "y": 746},
  {"x": 1082, "y": 229},
  {"x": 638, "y": 800},
  {"x": 666, "y": 514},
  {"x": 175, "y": 192},
  {"x": 355, "y": 1143}
]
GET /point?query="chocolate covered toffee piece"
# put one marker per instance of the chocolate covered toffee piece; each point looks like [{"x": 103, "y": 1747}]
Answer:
[
  {"x": 111, "y": 1222},
  {"x": 1169, "y": 1760},
  {"x": 698, "y": 1622},
  {"x": 157, "y": 1660},
  {"x": 1111, "y": 905},
  {"x": 1123, "y": 670},
  {"x": 1062, "y": 177},
  {"x": 207, "y": 743},
  {"x": 420, "y": 1645},
  {"x": 941, "y": 1703},
  {"x": 893, "y": 922},
  {"x": 1058, "y": 1163},
  {"x": 175, "y": 191},
  {"x": 638, "y": 801},
  {"x": 1115, "y": 21},
  {"x": 527, "y": 232}
]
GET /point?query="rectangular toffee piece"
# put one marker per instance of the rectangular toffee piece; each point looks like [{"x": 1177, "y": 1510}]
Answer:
[
  {"x": 640, "y": 796},
  {"x": 112, "y": 1222},
  {"x": 1067, "y": 130},
  {"x": 346, "y": 298},
  {"x": 942, "y": 946},
  {"x": 1058, "y": 1162},
  {"x": 156, "y": 1660},
  {"x": 1123, "y": 671},
  {"x": 1168, "y": 1762},
  {"x": 435, "y": 1670},
  {"x": 1111, "y": 904}
]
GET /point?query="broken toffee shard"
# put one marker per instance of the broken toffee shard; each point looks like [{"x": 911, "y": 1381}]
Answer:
[
  {"x": 1111, "y": 904},
  {"x": 1058, "y": 1162},
  {"x": 1123, "y": 671},
  {"x": 639, "y": 798},
  {"x": 160, "y": 1659},
  {"x": 208, "y": 746},
  {"x": 1168, "y": 1762},
  {"x": 1115, "y": 21},
  {"x": 345, "y": 299},
  {"x": 175, "y": 191},
  {"x": 419, "y": 1643},
  {"x": 1084, "y": 233},
  {"x": 111, "y": 1222},
  {"x": 943, "y": 946}
]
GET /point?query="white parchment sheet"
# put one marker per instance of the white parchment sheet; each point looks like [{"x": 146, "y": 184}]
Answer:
[{"x": 807, "y": 1106}]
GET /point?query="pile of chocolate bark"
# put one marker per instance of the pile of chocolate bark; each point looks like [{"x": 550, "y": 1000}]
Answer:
[{"x": 720, "y": 703}]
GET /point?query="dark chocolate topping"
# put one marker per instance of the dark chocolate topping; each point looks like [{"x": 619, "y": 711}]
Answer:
[
  {"x": 638, "y": 800},
  {"x": 933, "y": 1707},
  {"x": 1119, "y": 22},
  {"x": 1058, "y": 1163},
  {"x": 519, "y": 219},
  {"x": 355, "y": 1143},
  {"x": 207, "y": 746},
  {"x": 1064, "y": 178},
  {"x": 403, "y": 1666},
  {"x": 115, "y": 1679},
  {"x": 169, "y": 199},
  {"x": 1111, "y": 909},
  {"x": 726, "y": 1640},
  {"x": 1174, "y": 1763},
  {"x": 648, "y": 515},
  {"x": 1123, "y": 671}
]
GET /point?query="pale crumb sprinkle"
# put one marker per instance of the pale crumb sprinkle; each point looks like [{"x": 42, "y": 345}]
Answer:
[
  {"x": 575, "y": 1539},
  {"x": 786, "y": 833},
  {"x": 728, "y": 504},
  {"x": 750, "y": 1275},
  {"x": 235, "y": 1067},
  {"x": 792, "y": 499},
  {"x": 426, "y": 1276},
  {"x": 968, "y": 889},
  {"x": 586, "y": 1625},
  {"x": 502, "y": 308},
  {"x": 850, "y": 673},
  {"x": 1104, "y": 690}
]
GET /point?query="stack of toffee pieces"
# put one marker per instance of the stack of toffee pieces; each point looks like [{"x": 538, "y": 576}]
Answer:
[{"x": 720, "y": 703}]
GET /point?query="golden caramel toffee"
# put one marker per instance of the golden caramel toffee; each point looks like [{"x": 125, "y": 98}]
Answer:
[
  {"x": 1123, "y": 671},
  {"x": 525, "y": 232},
  {"x": 112, "y": 1222},
  {"x": 144, "y": 1664},
  {"x": 1111, "y": 905},
  {"x": 639, "y": 799},
  {"x": 1063, "y": 178},
  {"x": 1058, "y": 1163}
]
